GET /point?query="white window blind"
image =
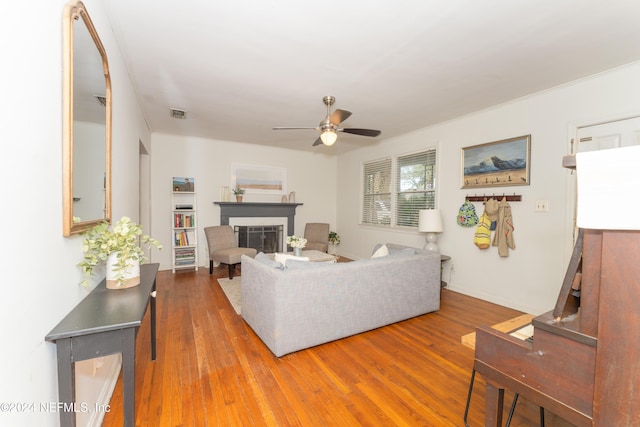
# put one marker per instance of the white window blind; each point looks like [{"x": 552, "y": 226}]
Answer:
[
  {"x": 376, "y": 208},
  {"x": 414, "y": 186}
]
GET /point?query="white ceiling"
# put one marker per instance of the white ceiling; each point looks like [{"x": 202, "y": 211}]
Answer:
[{"x": 241, "y": 67}]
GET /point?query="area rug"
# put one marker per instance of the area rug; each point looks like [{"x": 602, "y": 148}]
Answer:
[{"x": 231, "y": 289}]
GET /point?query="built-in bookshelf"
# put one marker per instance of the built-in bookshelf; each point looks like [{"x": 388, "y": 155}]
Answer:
[{"x": 184, "y": 229}]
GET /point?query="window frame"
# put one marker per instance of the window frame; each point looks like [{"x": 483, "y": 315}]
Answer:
[{"x": 400, "y": 219}]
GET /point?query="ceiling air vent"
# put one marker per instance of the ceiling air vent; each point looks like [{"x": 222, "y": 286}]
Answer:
[
  {"x": 101, "y": 99},
  {"x": 178, "y": 114}
]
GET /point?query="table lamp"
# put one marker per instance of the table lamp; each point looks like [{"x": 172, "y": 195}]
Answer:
[{"x": 430, "y": 222}]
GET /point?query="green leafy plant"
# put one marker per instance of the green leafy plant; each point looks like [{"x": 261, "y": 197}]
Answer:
[
  {"x": 238, "y": 191},
  {"x": 334, "y": 238},
  {"x": 125, "y": 238}
]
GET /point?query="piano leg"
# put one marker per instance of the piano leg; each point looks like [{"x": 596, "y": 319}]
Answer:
[
  {"x": 466, "y": 409},
  {"x": 493, "y": 406},
  {"x": 512, "y": 410}
]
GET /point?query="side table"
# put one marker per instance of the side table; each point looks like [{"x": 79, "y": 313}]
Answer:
[
  {"x": 443, "y": 259},
  {"x": 105, "y": 322}
]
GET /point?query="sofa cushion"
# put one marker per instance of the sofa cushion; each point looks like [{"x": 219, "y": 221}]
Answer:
[
  {"x": 266, "y": 260},
  {"x": 293, "y": 264}
]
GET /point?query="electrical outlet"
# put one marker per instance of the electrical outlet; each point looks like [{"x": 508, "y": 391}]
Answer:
[{"x": 542, "y": 206}]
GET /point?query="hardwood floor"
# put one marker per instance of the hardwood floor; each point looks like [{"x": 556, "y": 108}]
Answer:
[{"x": 212, "y": 370}]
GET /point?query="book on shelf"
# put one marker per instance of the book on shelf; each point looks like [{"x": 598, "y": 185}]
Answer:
[
  {"x": 184, "y": 206},
  {"x": 184, "y": 256},
  {"x": 183, "y": 237},
  {"x": 181, "y": 220}
]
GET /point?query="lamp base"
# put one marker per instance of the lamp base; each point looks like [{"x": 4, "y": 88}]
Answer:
[{"x": 431, "y": 243}]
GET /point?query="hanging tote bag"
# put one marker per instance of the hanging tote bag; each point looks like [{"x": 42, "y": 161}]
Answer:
[{"x": 482, "y": 238}]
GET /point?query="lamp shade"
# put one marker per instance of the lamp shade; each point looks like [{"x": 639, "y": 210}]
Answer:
[{"x": 430, "y": 221}]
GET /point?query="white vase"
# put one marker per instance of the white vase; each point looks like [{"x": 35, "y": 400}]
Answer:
[
  {"x": 297, "y": 251},
  {"x": 225, "y": 194},
  {"x": 130, "y": 275},
  {"x": 332, "y": 249}
]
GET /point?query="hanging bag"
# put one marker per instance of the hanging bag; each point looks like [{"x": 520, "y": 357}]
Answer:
[
  {"x": 482, "y": 238},
  {"x": 467, "y": 216}
]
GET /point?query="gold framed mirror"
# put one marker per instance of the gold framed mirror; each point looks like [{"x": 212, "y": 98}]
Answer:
[{"x": 86, "y": 125}]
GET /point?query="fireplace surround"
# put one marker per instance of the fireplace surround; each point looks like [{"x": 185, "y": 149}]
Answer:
[{"x": 259, "y": 214}]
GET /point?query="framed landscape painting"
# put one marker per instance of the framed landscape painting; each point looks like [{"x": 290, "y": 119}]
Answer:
[
  {"x": 497, "y": 164},
  {"x": 259, "y": 179}
]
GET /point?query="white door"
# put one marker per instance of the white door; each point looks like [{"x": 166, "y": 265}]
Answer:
[{"x": 602, "y": 136}]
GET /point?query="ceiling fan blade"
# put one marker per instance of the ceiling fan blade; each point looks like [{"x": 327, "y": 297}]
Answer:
[
  {"x": 363, "y": 132},
  {"x": 317, "y": 142},
  {"x": 293, "y": 128},
  {"x": 339, "y": 116}
]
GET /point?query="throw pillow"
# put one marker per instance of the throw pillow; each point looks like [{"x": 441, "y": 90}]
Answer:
[
  {"x": 266, "y": 260},
  {"x": 283, "y": 258},
  {"x": 380, "y": 252},
  {"x": 403, "y": 252}
]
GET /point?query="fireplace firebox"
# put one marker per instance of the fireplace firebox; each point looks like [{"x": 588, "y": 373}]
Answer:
[{"x": 263, "y": 238}]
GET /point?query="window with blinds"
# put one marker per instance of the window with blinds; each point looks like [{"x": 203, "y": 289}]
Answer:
[
  {"x": 395, "y": 189},
  {"x": 376, "y": 206},
  {"x": 414, "y": 186}
]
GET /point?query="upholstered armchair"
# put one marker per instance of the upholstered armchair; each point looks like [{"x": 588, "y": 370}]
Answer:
[
  {"x": 223, "y": 247},
  {"x": 317, "y": 235}
]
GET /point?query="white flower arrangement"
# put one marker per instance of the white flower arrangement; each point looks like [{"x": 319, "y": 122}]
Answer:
[{"x": 296, "y": 242}]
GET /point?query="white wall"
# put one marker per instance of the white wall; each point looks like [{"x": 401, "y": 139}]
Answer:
[
  {"x": 313, "y": 176},
  {"x": 530, "y": 278},
  {"x": 40, "y": 280}
]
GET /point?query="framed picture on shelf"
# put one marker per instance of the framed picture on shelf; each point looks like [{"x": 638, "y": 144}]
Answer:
[
  {"x": 183, "y": 184},
  {"x": 259, "y": 179},
  {"x": 497, "y": 164}
]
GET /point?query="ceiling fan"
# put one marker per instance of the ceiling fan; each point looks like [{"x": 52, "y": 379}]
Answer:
[{"x": 330, "y": 125}]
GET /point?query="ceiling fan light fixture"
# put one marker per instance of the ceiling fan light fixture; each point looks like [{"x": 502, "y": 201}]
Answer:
[
  {"x": 330, "y": 126},
  {"x": 329, "y": 137}
]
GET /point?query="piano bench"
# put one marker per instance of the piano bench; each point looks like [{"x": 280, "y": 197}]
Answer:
[{"x": 469, "y": 340}]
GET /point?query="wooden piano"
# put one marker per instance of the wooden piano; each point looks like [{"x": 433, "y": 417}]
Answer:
[{"x": 583, "y": 363}]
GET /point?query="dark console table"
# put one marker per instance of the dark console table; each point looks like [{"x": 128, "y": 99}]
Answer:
[{"x": 105, "y": 322}]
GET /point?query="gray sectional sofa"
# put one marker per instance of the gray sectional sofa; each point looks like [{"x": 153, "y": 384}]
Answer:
[{"x": 308, "y": 304}]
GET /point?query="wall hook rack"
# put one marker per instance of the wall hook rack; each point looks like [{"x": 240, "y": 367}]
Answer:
[{"x": 484, "y": 197}]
